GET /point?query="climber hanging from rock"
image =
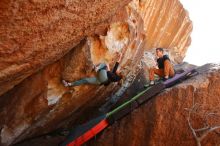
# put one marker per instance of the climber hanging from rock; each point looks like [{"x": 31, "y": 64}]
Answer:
[
  {"x": 165, "y": 68},
  {"x": 104, "y": 75}
]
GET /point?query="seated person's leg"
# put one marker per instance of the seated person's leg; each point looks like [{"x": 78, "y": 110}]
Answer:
[
  {"x": 172, "y": 72},
  {"x": 159, "y": 72},
  {"x": 156, "y": 71},
  {"x": 151, "y": 74},
  {"x": 168, "y": 69}
]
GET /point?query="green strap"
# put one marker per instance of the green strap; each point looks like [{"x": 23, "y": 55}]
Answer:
[{"x": 129, "y": 101}]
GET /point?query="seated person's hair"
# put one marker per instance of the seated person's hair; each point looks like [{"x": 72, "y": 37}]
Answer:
[{"x": 160, "y": 49}]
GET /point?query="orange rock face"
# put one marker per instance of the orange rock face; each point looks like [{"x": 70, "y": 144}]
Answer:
[
  {"x": 163, "y": 120},
  {"x": 43, "y": 42},
  {"x": 37, "y": 33},
  {"x": 166, "y": 25}
]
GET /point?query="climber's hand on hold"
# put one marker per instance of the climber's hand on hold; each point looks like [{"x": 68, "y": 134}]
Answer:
[{"x": 119, "y": 55}]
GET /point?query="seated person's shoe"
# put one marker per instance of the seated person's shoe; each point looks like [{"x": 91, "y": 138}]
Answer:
[
  {"x": 165, "y": 78},
  {"x": 152, "y": 83}
]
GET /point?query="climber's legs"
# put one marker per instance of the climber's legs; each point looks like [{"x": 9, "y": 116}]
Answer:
[
  {"x": 92, "y": 80},
  {"x": 101, "y": 66},
  {"x": 101, "y": 78}
]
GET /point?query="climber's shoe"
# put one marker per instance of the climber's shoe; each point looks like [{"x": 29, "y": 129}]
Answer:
[{"x": 65, "y": 83}]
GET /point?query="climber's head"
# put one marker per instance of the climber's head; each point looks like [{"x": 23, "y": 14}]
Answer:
[{"x": 159, "y": 52}]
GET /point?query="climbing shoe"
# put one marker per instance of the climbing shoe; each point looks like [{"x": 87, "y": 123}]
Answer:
[{"x": 65, "y": 83}]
